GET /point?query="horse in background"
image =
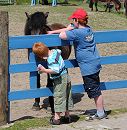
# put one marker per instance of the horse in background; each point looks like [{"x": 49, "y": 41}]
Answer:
[
  {"x": 125, "y": 6},
  {"x": 36, "y": 24},
  {"x": 117, "y": 4}
]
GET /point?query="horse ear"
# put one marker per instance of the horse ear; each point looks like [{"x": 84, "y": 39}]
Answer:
[
  {"x": 27, "y": 15},
  {"x": 46, "y": 14}
]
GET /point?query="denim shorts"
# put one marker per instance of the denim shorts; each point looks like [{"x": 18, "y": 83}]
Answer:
[{"x": 92, "y": 85}]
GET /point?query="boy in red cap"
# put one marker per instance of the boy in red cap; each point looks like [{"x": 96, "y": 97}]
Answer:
[{"x": 86, "y": 55}]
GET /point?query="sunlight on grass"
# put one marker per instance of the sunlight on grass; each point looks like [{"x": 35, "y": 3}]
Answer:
[
  {"x": 29, "y": 123},
  {"x": 118, "y": 111},
  {"x": 44, "y": 122}
]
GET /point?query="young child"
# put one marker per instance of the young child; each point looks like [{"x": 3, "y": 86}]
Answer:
[
  {"x": 58, "y": 73},
  {"x": 86, "y": 55}
]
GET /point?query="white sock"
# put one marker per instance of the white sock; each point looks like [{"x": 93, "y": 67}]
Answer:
[{"x": 100, "y": 113}]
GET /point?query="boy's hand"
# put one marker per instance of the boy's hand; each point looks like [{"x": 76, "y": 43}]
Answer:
[
  {"x": 41, "y": 68},
  {"x": 50, "y": 32},
  {"x": 70, "y": 27}
]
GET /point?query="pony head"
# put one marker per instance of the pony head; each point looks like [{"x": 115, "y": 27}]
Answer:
[{"x": 36, "y": 23}]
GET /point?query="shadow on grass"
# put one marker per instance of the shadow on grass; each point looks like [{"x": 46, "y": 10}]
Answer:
[
  {"x": 93, "y": 111},
  {"x": 22, "y": 118},
  {"x": 108, "y": 112}
]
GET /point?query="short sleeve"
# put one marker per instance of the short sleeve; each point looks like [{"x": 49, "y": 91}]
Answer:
[
  {"x": 53, "y": 64},
  {"x": 71, "y": 35}
]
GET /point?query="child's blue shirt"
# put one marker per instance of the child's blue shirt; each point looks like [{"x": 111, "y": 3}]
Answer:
[
  {"x": 56, "y": 63},
  {"x": 86, "y": 52}
]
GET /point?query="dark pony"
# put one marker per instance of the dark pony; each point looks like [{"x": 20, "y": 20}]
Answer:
[
  {"x": 36, "y": 23},
  {"x": 117, "y": 4},
  {"x": 125, "y": 6}
]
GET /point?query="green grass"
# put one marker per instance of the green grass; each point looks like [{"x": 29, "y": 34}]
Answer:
[
  {"x": 29, "y": 123},
  {"x": 98, "y": 20},
  {"x": 44, "y": 122},
  {"x": 118, "y": 111}
]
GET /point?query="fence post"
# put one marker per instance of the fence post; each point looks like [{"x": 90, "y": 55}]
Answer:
[{"x": 3, "y": 67}]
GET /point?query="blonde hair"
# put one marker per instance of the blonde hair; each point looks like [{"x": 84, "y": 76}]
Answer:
[{"x": 40, "y": 49}]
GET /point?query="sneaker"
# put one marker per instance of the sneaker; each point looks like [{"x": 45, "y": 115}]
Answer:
[
  {"x": 95, "y": 116},
  {"x": 36, "y": 107},
  {"x": 54, "y": 122},
  {"x": 66, "y": 120}
]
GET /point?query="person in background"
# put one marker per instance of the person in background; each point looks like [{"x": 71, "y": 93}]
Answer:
[
  {"x": 87, "y": 56},
  {"x": 58, "y": 74}
]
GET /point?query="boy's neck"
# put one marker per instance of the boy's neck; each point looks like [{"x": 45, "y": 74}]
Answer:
[
  {"x": 49, "y": 52},
  {"x": 80, "y": 26}
]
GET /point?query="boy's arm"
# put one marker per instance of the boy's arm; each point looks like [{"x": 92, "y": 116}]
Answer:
[
  {"x": 69, "y": 27},
  {"x": 62, "y": 31},
  {"x": 44, "y": 70},
  {"x": 57, "y": 31}
]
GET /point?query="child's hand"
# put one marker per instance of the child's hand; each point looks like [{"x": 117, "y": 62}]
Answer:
[
  {"x": 50, "y": 32},
  {"x": 40, "y": 68},
  {"x": 70, "y": 27}
]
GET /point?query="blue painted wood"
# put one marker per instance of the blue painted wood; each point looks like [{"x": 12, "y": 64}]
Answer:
[
  {"x": 33, "y": 80},
  {"x": 9, "y": 104},
  {"x": 27, "y": 94},
  {"x": 104, "y": 86},
  {"x": 114, "y": 59},
  {"x": 32, "y": 66},
  {"x": 114, "y": 85},
  {"x": 21, "y": 42},
  {"x": 111, "y": 36},
  {"x": 19, "y": 68},
  {"x": 31, "y": 56},
  {"x": 44, "y": 92},
  {"x": 33, "y": 75}
]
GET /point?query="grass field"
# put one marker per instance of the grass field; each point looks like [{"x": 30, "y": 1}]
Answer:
[{"x": 98, "y": 20}]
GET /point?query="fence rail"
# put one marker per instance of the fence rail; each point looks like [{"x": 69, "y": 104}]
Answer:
[
  {"x": 7, "y": 1},
  {"x": 26, "y": 42}
]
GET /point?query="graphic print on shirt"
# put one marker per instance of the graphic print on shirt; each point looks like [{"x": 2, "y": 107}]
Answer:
[{"x": 89, "y": 37}]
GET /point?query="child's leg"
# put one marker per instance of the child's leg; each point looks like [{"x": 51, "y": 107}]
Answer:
[
  {"x": 92, "y": 87},
  {"x": 51, "y": 98},
  {"x": 57, "y": 115},
  {"x": 56, "y": 119},
  {"x": 60, "y": 93},
  {"x": 69, "y": 100},
  {"x": 99, "y": 105},
  {"x": 67, "y": 114}
]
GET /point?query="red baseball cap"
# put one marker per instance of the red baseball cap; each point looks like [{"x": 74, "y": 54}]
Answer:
[{"x": 79, "y": 14}]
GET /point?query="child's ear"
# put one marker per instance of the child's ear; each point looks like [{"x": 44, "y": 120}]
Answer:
[{"x": 75, "y": 20}]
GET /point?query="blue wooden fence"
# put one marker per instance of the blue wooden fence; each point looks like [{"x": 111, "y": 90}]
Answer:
[{"x": 23, "y": 42}]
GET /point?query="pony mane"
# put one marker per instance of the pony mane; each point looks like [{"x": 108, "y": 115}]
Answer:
[{"x": 36, "y": 23}]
